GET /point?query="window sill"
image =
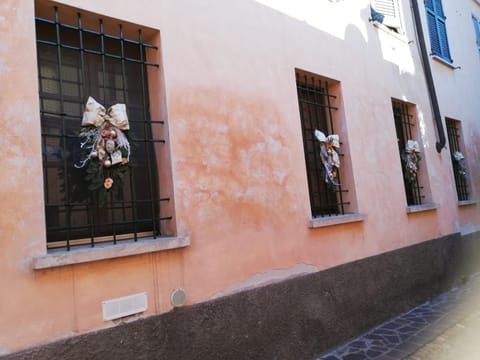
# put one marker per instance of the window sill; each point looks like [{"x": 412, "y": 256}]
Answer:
[
  {"x": 104, "y": 252},
  {"x": 467, "y": 202},
  {"x": 390, "y": 31},
  {"x": 445, "y": 62},
  {"x": 335, "y": 220},
  {"x": 420, "y": 208}
]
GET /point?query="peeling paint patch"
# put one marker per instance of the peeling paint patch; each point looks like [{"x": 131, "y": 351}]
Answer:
[
  {"x": 267, "y": 278},
  {"x": 233, "y": 156}
]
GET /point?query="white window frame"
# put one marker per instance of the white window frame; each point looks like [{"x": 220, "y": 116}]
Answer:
[{"x": 391, "y": 12}]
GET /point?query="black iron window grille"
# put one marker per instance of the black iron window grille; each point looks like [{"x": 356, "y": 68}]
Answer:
[
  {"x": 405, "y": 128},
  {"x": 74, "y": 63},
  {"x": 317, "y": 112},
  {"x": 458, "y": 159}
]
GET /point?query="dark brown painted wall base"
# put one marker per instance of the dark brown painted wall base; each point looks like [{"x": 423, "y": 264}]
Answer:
[{"x": 295, "y": 319}]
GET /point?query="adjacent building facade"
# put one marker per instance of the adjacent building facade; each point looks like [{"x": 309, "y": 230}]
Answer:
[{"x": 270, "y": 158}]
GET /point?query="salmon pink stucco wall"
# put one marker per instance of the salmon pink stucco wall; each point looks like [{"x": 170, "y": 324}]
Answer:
[{"x": 226, "y": 88}]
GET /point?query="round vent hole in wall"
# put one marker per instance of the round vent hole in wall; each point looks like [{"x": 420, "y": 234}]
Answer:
[{"x": 178, "y": 297}]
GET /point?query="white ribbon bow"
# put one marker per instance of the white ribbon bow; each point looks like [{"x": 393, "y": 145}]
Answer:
[{"x": 96, "y": 115}]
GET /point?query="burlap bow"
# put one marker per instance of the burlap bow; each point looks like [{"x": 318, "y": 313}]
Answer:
[{"x": 96, "y": 115}]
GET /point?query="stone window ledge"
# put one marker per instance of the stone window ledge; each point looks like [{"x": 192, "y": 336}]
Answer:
[
  {"x": 335, "y": 220},
  {"x": 420, "y": 208},
  {"x": 467, "y": 202},
  {"x": 103, "y": 252},
  {"x": 389, "y": 31},
  {"x": 445, "y": 62}
]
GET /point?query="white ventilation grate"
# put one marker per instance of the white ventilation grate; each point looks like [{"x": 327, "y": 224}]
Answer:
[{"x": 124, "y": 306}]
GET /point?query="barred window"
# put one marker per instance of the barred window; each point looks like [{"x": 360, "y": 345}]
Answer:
[
  {"x": 318, "y": 113},
  {"x": 75, "y": 62},
  {"x": 406, "y": 130},
  {"x": 459, "y": 164}
]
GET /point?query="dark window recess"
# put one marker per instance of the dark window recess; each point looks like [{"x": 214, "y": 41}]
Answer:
[
  {"x": 459, "y": 163},
  {"x": 73, "y": 64},
  {"x": 316, "y": 112},
  {"x": 404, "y": 126}
]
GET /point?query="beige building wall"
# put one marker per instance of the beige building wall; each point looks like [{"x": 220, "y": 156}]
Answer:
[{"x": 239, "y": 181}]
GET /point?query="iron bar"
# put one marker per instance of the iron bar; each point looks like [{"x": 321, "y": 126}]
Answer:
[
  {"x": 146, "y": 128},
  {"x": 461, "y": 184},
  {"x": 95, "y": 52},
  {"x": 64, "y": 131},
  {"x": 332, "y": 131},
  {"x": 90, "y": 213}
]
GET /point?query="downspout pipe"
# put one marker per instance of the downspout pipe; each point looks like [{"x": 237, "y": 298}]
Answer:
[{"x": 440, "y": 144}]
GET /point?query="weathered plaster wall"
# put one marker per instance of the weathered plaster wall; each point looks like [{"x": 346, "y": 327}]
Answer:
[
  {"x": 305, "y": 316},
  {"x": 238, "y": 170}
]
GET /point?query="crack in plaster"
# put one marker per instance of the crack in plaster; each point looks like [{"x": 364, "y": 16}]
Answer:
[{"x": 267, "y": 278}]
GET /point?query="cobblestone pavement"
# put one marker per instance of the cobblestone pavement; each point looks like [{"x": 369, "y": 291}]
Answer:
[{"x": 447, "y": 327}]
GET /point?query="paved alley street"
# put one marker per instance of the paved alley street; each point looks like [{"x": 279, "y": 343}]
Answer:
[{"x": 445, "y": 328}]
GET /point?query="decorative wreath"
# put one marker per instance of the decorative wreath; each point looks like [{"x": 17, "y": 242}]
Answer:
[
  {"x": 411, "y": 158},
  {"x": 329, "y": 156},
  {"x": 105, "y": 146},
  {"x": 460, "y": 164}
]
